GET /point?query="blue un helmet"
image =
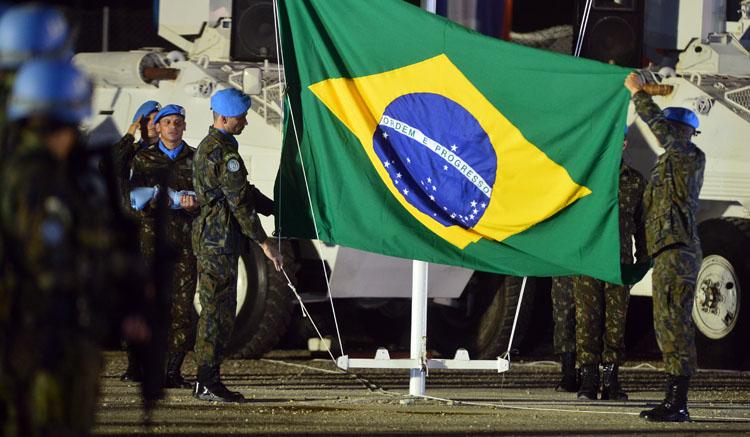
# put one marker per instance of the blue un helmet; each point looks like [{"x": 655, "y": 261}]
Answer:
[
  {"x": 29, "y": 31},
  {"x": 50, "y": 88},
  {"x": 681, "y": 115}
]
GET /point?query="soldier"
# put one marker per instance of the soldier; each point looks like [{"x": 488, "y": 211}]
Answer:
[
  {"x": 670, "y": 203},
  {"x": 227, "y": 218},
  {"x": 125, "y": 149},
  {"x": 601, "y": 307},
  {"x": 170, "y": 161},
  {"x": 122, "y": 158},
  {"x": 564, "y": 335},
  {"x": 56, "y": 244}
]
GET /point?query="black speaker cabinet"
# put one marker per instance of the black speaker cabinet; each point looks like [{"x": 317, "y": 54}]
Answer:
[
  {"x": 253, "y": 37},
  {"x": 614, "y": 32}
]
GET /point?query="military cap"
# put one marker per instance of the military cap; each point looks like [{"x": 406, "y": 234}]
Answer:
[
  {"x": 230, "y": 102},
  {"x": 146, "y": 108},
  {"x": 170, "y": 110}
]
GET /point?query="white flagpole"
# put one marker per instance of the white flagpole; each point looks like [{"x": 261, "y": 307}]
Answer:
[
  {"x": 419, "y": 304},
  {"x": 418, "y": 327}
]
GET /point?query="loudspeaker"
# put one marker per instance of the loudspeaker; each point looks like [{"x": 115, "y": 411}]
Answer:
[
  {"x": 614, "y": 31},
  {"x": 253, "y": 35}
]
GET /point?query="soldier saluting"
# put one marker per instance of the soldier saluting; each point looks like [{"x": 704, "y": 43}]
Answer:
[
  {"x": 670, "y": 204},
  {"x": 228, "y": 216}
]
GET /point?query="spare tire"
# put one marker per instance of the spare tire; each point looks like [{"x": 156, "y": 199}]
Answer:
[
  {"x": 264, "y": 304},
  {"x": 483, "y": 320},
  {"x": 720, "y": 311}
]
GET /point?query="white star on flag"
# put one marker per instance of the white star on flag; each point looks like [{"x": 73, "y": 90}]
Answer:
[
  {"x": 473, "y": 203},
  {"x": 386, "y": 164},
  {"x": 406, "y": 192},
  {"x": 454, "y": 148},
  {"x": 385, "y": 135}
]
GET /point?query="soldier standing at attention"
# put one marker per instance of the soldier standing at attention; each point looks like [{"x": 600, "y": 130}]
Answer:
[
  {"x": 170, "y": 161},
  {"x": 564, "y": 333},
  {"x": 228, "y": 217},
  {"x": 57, "y": 246},
  {"x": 670, "y": 204},
  {"x": 602, "y": 307}
]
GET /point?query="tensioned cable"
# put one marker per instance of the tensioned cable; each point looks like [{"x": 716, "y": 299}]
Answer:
[
  {"x": 515, "y": 319},
  {"x": 305, "y": 313},
  {"x": 582, "y": 29},
  {"x": 307, "y": 187}
]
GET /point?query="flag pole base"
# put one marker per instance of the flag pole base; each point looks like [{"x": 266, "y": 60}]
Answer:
[{"x": 383, "y": 360}]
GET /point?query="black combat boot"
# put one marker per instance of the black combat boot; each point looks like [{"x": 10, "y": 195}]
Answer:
[
  {"x": 569, "y": 381},
  {"x": 174, "y": 377},
  {"x": 589, "y": 382},
  {"x": 216, "y": 391},
  {"x": 134, "y": 372},
  {"x": 674, "y": 406},
  {"x": 611, "y": 389}
]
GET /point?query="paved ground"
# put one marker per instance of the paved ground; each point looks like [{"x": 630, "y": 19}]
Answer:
[{"x": 292, "y": 395}]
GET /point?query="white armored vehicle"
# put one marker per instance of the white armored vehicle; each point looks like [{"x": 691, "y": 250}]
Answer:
[{"x": 468, "y": 309}]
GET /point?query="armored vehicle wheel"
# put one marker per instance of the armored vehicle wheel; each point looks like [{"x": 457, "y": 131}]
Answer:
[
  {"x": 264, "y": 305},
  {"x": 482, "y": 321},
  {"x": 719, "y": 311}
]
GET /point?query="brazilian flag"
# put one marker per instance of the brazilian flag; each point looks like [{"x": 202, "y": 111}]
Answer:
[{"x": 412, "y": 136}]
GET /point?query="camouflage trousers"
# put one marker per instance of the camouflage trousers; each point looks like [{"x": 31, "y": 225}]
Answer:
[
  {"x": 601, "y": 309},
  {"x": 217, "y": 290},
  {"x": 563, "y": 315},
  {"x": 675, "y": 272},
  {"x": 182, "y": 289},
  {"x": 50, "y": 390},
  {"x": 182, "y": 314}
]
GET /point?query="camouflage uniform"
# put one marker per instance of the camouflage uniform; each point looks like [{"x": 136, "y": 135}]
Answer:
[
  {"x": 563, "y": 315},
  {"x": 57, "y": 245},
  {"x": 601, "y": 307},
  {"x": 227, "y": 219},
  {"x": 123, "y": 153},
  {"x": 670, "y": 204},
  {"x": 149, "y": 166}
]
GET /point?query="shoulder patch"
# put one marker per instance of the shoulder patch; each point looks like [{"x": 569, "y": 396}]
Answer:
[{"x": 233, "y": 165}]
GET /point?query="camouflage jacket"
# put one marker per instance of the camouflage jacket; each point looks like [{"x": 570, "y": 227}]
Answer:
[
  {"x": 227, "y": 199},
  {"x": 56, "y": 224},
  {"x": 150, "y": 165},
  {"x": 671, "y": 197},
  {"x": 123, "y": 153},
  {"x": 632, "y": 226}
]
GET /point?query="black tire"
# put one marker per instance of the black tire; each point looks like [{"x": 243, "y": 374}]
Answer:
[
  {"x": 482, "y": 323},
  {"x": 728, "y": 238},
  {"x": 263, "y": 318}
]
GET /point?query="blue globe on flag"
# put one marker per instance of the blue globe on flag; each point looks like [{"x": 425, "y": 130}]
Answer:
[{"x": 438, "y": 157}]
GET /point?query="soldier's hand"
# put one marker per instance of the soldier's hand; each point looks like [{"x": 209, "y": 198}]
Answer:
[
  {"x": 273, "y": 253},
  {"x": 633, "y": 83},
  {"x": 134, "y": 127},
  {"x": 189, "y": 203}
]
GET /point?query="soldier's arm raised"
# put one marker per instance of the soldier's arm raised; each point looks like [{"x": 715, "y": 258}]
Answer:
[{"x": 648, "y": 110}]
